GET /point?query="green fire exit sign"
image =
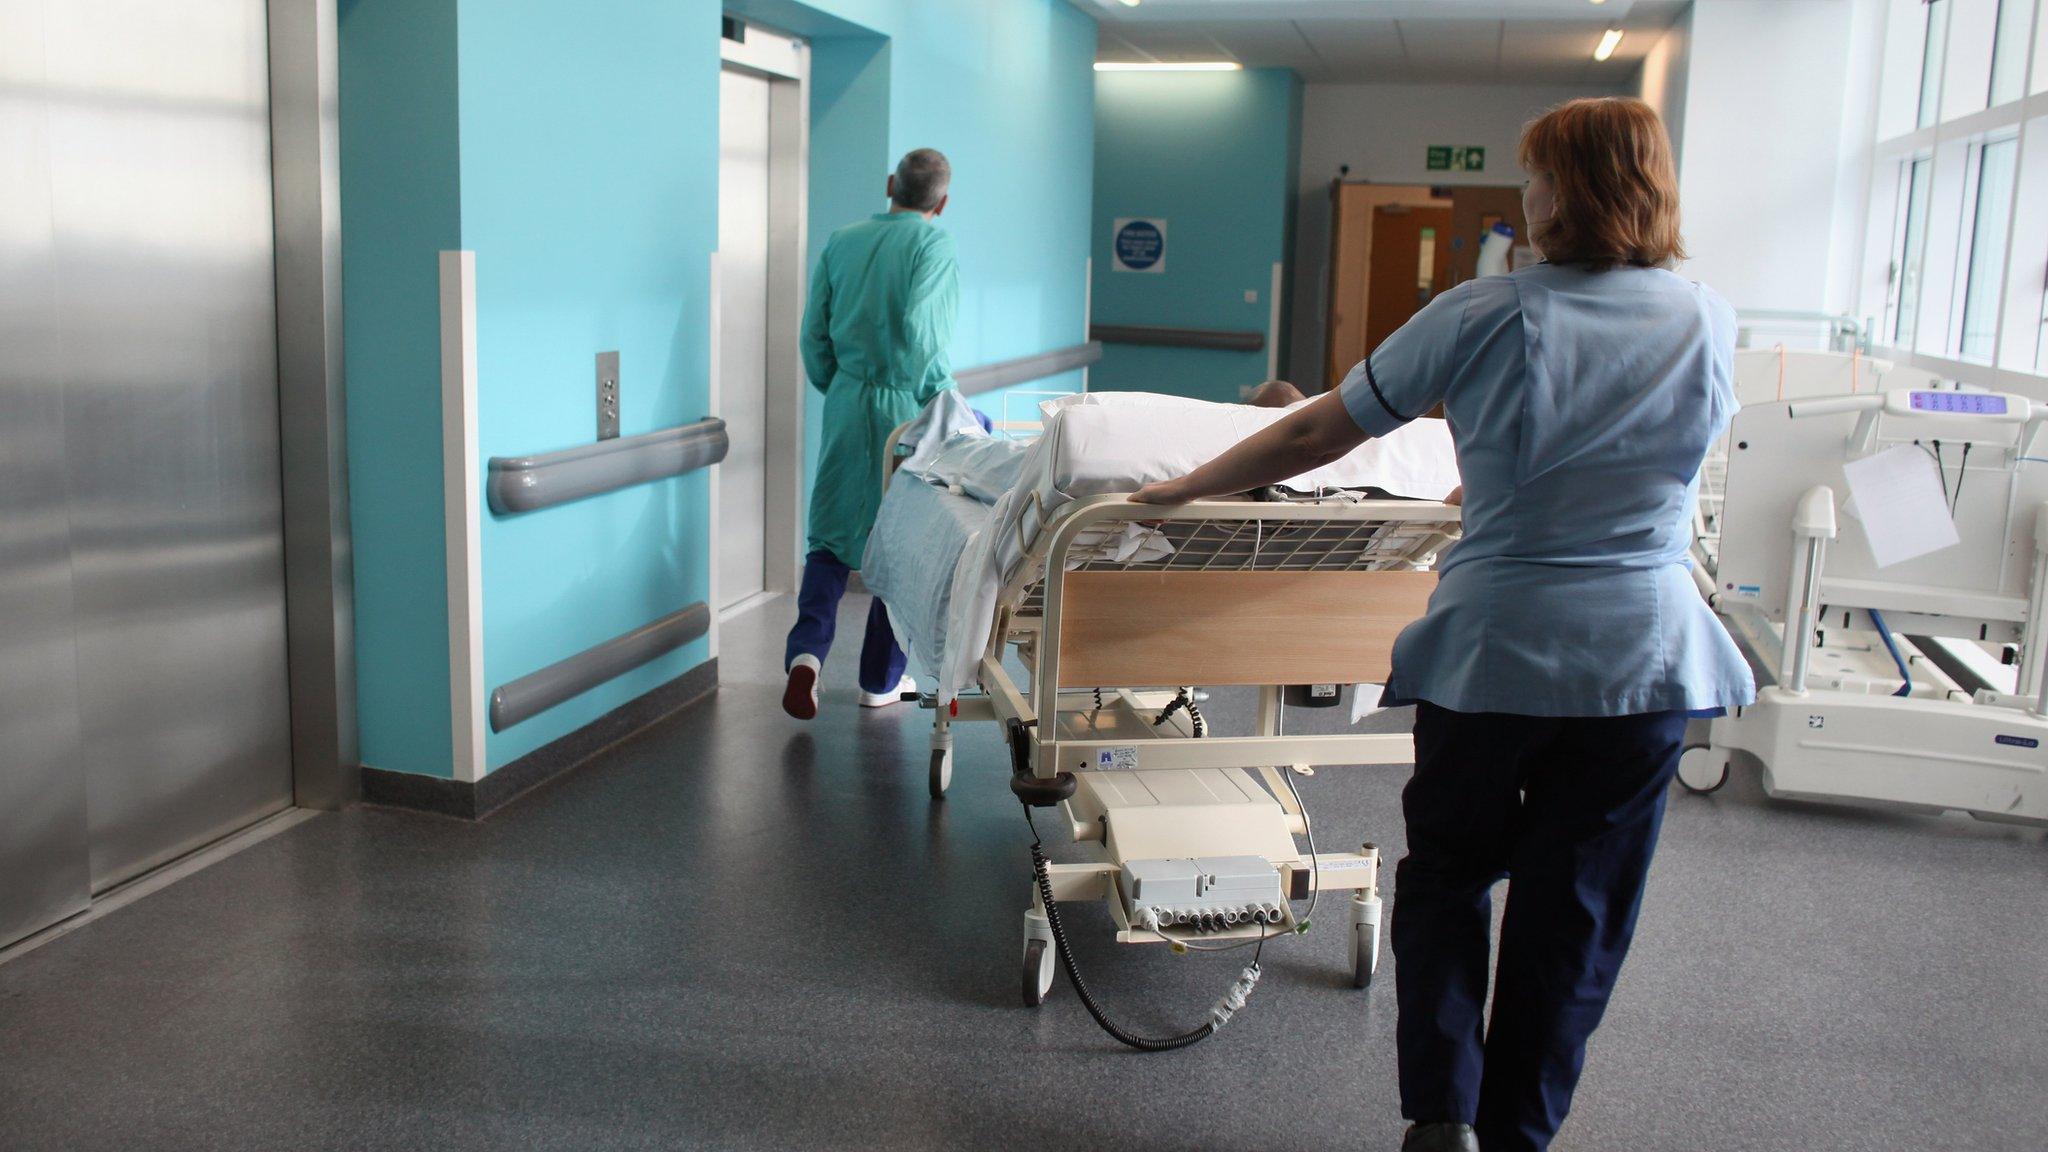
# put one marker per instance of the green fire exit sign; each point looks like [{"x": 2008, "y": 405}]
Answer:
[{"x": 1445, "y": 158}]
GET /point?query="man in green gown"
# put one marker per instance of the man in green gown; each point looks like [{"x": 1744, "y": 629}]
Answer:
[{"x": 880, "y": 316}]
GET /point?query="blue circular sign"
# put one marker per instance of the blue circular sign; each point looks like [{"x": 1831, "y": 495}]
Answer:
[{"x": 1139, "y": 245}]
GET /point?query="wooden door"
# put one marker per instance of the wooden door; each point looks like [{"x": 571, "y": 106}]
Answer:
[
  {"x": 1351, "y": 209},
  {"x": 1410, "y": 263}
]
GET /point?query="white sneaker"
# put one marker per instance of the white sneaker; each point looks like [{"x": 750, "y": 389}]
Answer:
[
  {"x": 800, "y": 695},
  {"x": 904, "y": 687}
]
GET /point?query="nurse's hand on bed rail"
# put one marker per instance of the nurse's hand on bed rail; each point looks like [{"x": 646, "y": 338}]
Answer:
[
  {"x": 1316, "y": 434},
  {"x": 1163, "y": 492}
]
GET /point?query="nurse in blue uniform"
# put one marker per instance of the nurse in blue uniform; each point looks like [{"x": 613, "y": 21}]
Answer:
[{"x": 1565, "y": 645}]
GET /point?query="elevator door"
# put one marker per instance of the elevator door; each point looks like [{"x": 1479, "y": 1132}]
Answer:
[
  {"x": 141, "y": 561},
  {"x": 743, "y": 110}
]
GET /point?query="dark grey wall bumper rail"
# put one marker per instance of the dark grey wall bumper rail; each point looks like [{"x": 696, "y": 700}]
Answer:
[
  {"x": 536, "y": 692},
  {"x": 527, "y": 483},
  {"x": 1179, "y": 337},
  {"x": 1002, "y": 374}
]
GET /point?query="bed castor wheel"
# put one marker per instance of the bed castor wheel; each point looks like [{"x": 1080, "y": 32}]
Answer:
[
  {"x": 1702, "y": 770},
  {"x": 1365, "y": 940},
  {"x": 1040, "y": 962},
  {"x": 1365, "y": 956},
  {"x": 942, "y": 772}
]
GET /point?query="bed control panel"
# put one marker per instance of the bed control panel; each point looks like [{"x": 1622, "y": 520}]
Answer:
[
  {"x": 1994, "y": 406},
  {"x": 1203, "y": 894}
]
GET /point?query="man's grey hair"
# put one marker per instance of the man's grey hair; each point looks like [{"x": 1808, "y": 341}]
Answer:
[{"x": 921, "y": 180}]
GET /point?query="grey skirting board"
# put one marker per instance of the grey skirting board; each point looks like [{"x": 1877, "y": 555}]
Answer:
[
  {"x": 536, "y": 692},
  {"x": 529, "y": 483},
  {"x": 1178, "y": 337},
  {"x": 989, "y": 377}
]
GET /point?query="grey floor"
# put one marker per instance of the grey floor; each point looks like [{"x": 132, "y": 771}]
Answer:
[{"x": 735, "y": 931}]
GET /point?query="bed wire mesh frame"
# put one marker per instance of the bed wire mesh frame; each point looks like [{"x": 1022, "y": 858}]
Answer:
[{"x": 1338, "y": 535}]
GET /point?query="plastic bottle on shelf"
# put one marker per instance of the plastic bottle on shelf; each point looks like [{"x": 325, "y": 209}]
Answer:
[{"x": 1493, "y": 250}]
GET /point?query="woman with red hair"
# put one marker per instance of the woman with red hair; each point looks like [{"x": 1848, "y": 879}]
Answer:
[{"x": 1565, "y": 646}]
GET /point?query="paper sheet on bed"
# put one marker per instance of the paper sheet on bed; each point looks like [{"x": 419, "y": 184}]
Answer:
[
  {"x": 1098, "y": 443},
  {"x": 1898, "y": 496}
]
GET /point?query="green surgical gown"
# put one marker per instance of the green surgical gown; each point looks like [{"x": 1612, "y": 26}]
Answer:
[{"x": 880, "y": 315}]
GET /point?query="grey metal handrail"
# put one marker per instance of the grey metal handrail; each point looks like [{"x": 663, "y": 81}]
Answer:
[
  {"x": 1179, "y": 337},
  {"x": 528, "y": 483},
  {"x": 989, "y": 377},
  {"x": 536, "y": 692}
]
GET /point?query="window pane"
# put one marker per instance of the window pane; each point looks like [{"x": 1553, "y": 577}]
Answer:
[
  {"x": 2041, "y": 53},
  {"x": 2009, "y": 51},
  {"x": 1993, "y": 222},
  {"x": 1906, "y": 260},
  {"x": 2041, "y": 344},
  {"x": 1936, "y": 47}
]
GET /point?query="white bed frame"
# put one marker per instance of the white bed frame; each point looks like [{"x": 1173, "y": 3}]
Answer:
[{"x": 1255, "y": 593}]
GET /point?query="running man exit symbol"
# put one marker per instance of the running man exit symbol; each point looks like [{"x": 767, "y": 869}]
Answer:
[{"x": 1446, "y": 158}]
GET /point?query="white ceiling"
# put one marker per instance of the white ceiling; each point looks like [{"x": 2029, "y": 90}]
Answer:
[{"x": 1392, "y": 41}]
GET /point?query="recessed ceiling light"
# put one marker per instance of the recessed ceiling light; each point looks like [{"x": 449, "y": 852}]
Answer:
[
  {"x": 1134, "y": 3},
  {"x": 1178, "y": 66},
  {"x": 1608, "y": 43}
]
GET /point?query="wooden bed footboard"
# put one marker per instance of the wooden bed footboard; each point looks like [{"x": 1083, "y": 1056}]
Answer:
[{"x": 1220, "y": 628}]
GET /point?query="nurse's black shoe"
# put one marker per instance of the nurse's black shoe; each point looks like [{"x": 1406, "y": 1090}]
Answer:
[{"x": 1440, "y": 1138}]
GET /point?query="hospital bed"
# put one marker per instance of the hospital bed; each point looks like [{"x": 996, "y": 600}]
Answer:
[
  {"x": 1874, "y": 686},
  {"x": 1103, "y": 617},
  {"x": 1770, "y": 376}
]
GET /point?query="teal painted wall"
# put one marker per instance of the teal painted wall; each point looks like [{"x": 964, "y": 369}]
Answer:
[
  {"x": 589, "y": 194},
  {"x": 1215, "y": 154},
  {"x": 574, "y": 149},
  {"x": 401, "y": 205}
]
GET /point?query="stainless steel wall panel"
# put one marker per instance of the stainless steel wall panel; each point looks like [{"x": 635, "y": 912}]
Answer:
[
  {"x": 319, "y": 565},
  {"x": 159, "y": 130},
  {"x": 43, "y": 860}
]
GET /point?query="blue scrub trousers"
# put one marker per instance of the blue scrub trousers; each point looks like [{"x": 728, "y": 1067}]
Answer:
[
  {"x": 817, "y": 618},
  {"x": 1567, "y": 811}
]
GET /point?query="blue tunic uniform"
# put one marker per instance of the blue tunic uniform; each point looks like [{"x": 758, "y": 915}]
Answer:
[{"x": 1581, "y": 404}]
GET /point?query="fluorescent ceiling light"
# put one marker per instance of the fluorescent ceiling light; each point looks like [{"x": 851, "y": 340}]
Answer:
[
  {"x": 1607, "y": 44},
  {"x": 1179, "y": 66},
  {"x": 1134, "y": 3}
]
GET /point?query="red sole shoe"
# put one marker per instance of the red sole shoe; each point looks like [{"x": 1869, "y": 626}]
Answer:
[{"x": 800, "y": 698}]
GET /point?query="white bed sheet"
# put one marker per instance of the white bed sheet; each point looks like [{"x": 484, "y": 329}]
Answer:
[{"x": 920, "y": 532}]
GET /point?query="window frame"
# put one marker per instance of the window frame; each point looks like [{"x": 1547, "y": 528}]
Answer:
[{"x": 1953, "y": 147}]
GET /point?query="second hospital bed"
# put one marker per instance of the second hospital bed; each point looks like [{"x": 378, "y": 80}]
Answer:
[{"x": 1080, "y": 623}]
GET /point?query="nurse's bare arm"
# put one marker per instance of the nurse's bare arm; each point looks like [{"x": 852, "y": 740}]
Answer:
[{"x": 1310, "y": 437}]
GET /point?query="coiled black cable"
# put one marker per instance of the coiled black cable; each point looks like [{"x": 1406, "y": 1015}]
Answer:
[
  {"x": 1185, "y": 698},
  {"x": 1041, "y": 867}
]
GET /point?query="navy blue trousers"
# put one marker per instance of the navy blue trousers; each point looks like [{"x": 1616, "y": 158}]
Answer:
[
  {"x": 1567, "y": 811},
  {"x": 817, "y": 618}
]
